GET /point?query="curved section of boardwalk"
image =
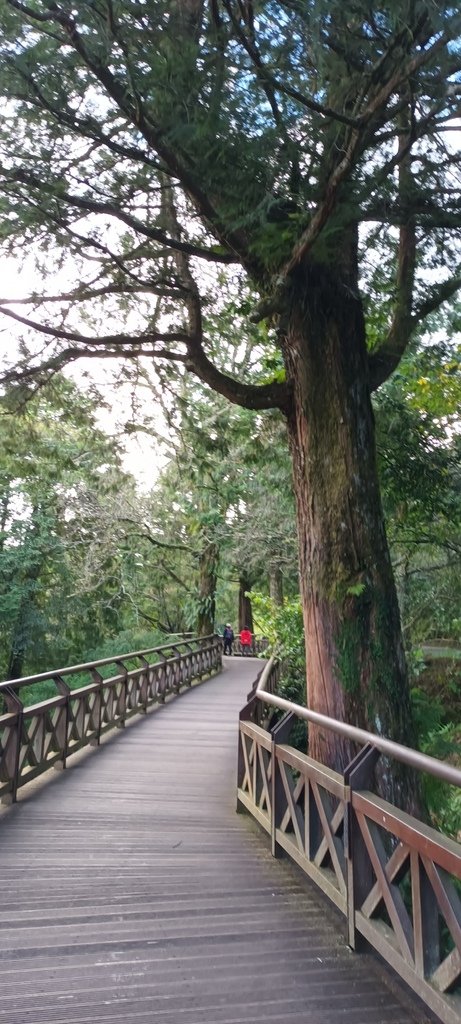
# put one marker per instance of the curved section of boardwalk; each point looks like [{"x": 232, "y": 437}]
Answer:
[{"x": 132, "y": 891}]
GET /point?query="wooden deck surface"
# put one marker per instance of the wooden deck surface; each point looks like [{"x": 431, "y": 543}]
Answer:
[{"x": 132, "y": 891}]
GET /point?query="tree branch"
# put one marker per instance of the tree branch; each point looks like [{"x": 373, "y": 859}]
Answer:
[
  {"x": 250, "y": 396},
  {"x": 402, "y": 322},
  {"x": 132, "y": 107},
  {"x": 385, "y": 360},
  {"x": 84, "y": 294},
  {"x": 101, "y": 341},
  {"x": 435, "y": 297},
  {"x": 111, "y": 210}
]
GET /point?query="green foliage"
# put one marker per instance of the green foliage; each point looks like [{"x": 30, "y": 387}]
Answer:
[
  {"x": 441, "y": 739},
  {"x": 172, "y": 142},
  {"x": 417, "y": 418},
  {"x": 61, "y": 589},
  {"x": 127, "y": 641},
  {"x": 268, "y": 129},
  {"x": 283, "y": 627},
  {"x": 443, "y": 801}
]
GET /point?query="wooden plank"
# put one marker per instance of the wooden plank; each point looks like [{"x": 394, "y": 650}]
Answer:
[
  {"x": 448, "y": 1009},
  {"x": 324, "y": 878},
  {"x": 133, "y": 894}
]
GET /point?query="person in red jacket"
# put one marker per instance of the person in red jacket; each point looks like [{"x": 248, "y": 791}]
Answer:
[{"x": 246, "y": 640}]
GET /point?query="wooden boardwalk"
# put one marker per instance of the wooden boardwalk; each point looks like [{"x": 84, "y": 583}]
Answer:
[{"x": 132, "y": 891}]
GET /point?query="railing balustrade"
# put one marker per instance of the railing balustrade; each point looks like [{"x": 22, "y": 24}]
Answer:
[
  {"x": 40, "y": 736},
  {"x": 396, "y": 880},
  {"x": 259, "y": 645}
]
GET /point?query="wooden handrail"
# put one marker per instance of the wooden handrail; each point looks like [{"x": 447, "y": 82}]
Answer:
[
  {"x": 396, "y": 879},
  {"x": 406, "y": 755},
  {"x": 87, "y": 666},
  {"x": 43, "y": 735}
]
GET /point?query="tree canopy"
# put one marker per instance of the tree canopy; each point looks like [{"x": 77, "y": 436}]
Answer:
[
  {"x": 280, "y": 174},
  {"x": 175, "y": 141}
]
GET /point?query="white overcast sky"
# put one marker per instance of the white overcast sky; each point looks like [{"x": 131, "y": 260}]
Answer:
[{"x": 143, "y": 456}]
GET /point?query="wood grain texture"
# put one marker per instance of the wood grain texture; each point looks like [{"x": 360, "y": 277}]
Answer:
[{"x": 132, "y": 891}]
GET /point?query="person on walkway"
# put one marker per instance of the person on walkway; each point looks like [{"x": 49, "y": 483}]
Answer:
[
  {"x": 246, "y": 641},
  {"x": 228, "y": 638}
]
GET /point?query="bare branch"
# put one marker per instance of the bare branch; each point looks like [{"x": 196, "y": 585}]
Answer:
[
  {"x": 101, "y": 341},
  {"x": 84, "y": 294}
]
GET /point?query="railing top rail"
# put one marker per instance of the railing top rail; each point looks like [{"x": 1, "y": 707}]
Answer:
[
  {"x": 88, "y": 665},
  {"x": 406, "y": 755}
]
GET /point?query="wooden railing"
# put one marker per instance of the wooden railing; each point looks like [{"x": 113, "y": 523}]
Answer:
[
  {"x": 396, "y": 880},
  {"x": 258, "y": 645},
  {"x": 39, "y": 736}
]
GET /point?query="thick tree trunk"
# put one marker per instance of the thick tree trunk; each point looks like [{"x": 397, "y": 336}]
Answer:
[
  {"x": 245, "y": 609},
  {"x": 208, "y": 569},
  {"x": 356, "y": 667}
]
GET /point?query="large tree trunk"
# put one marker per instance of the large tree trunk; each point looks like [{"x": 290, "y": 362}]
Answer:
[
  {"x": 208, "y": 569},
  {"x": 356, "y": 667}
]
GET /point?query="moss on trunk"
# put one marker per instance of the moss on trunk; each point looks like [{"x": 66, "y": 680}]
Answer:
[
  {"x": 356, "y": 668},
  {"x": 208, "y": 568}
]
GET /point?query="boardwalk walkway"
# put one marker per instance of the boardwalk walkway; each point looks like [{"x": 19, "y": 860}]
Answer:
[{"x": 132, "y": 891}]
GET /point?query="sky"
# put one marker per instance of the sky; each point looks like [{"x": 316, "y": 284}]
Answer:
[{"x": 143, "y": 458}]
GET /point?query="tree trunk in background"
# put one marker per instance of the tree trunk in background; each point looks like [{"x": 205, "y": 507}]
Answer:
[
  {"x": 245, "y": 609},
  {"x": 208, "y": 569},
  {"x": 21, "y": 637},
  {"x": 356, "y": 668},
  {"x": 4, "y": 512},
  {"x": 20, "y": 640},
  {"x": 276, "y": 584}
]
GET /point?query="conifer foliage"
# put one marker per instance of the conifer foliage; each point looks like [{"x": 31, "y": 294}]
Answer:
[{"x": 166, "y": 159}]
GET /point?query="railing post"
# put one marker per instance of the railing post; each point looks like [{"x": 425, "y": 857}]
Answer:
[
  {"x": 144, "y": 688},
  {"x": 162, "y": 678},
  {"x": 189, "y": 666},
  {"x": 217, "y": 653},
  {"x": 247, "y": 714},
  {"x": 425, "y": 919},
  {"x": 280, "y": 733},
  {"x": 122, "y": 705},
  {"x": 62, "y": 732},
  {"x": 14, "y": 706},
  {"x": 179, "y": 670},
  {"x": 359, "y": 873},
  {"x": 97, "y": 678}
]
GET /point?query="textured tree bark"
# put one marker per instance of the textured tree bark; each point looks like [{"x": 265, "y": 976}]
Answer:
[
  {"x": 245, "y": 609},
  {"x": 356, "y": 668},
  {"x": 208, "y": 569},
  {"x": 276, "y": 584}
]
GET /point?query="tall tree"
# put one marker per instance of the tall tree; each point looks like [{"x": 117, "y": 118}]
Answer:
[
  {"x": 51, "y": 455},
  {"x": 182, "y": 148},
  {"x": 418, "y": 439}
]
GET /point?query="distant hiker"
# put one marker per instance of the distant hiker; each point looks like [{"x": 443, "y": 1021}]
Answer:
[
  {"x": 246, "y": 640},
  {"x": 228, "y": 638}
]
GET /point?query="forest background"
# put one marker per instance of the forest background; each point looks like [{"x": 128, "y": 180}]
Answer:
[{"x": 264, "y": 199}]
